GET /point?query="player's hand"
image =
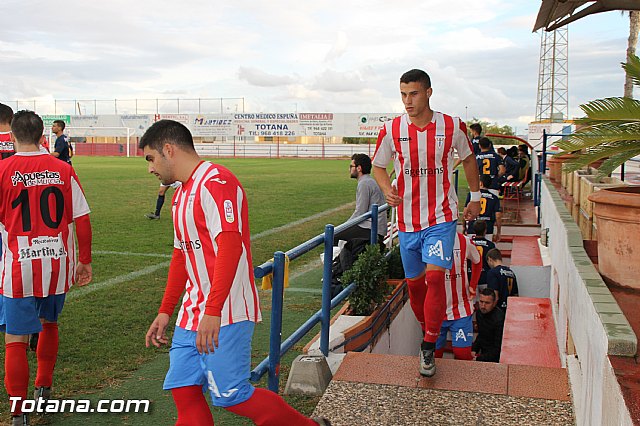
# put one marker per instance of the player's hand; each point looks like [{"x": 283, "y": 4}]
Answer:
[
  {"x": 157, "y": 334},
  {"x": 496, "y": 237},
  {"x": 392, "y": 197},
  {"x": 84, "y": 274},
  {"x": 472, "y": 291},
  {"x": 472, "y": 210},
  {"x": 208, "y": 331}
]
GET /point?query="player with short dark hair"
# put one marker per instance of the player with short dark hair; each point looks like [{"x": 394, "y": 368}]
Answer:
[
  {"x": 211, "y": 262},
  {"x": 62, "y": 146},
  {"x": 489, "y": 163},
  {"x": 42, "y": 204},
  {"x": 421, "y": 144},
  {"x": 476, "y": 131},
  {"x": 490, "y": 322},
  {"x": 6, "y": 144},
  {"x": 501, "y": 278}
]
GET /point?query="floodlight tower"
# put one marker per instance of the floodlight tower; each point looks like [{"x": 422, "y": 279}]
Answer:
[{"x": 553, "y": 77}]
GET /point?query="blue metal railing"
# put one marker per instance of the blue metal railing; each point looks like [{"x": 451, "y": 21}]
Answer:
[{"x": 271, "y": 364}]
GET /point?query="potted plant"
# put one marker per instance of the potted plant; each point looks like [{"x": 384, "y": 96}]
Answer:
[{"x": 611, "y": 129}]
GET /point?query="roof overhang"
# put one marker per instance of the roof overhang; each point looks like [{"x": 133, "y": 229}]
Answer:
[{"x": 554, "y": 14}]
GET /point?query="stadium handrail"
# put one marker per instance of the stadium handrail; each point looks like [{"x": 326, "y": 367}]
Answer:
[{"x": 277, "y": 348}]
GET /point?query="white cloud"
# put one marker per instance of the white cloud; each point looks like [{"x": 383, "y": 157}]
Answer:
[
  {"x": 285, "y": 55},
  {"x": 258, "y": 77}
]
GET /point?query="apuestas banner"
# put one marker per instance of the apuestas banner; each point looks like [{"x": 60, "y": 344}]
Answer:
[{"x": 229, "y": 125}]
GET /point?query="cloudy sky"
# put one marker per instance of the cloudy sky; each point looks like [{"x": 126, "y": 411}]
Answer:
[{"x": 285, "y": 55}]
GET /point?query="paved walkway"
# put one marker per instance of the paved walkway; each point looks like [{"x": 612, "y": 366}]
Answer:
[{"x": 370, "y": 389}]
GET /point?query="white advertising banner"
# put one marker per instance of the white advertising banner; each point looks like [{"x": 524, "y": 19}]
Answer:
[{"x": 236, "y": 124}]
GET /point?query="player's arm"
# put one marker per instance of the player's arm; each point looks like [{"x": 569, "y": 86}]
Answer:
[
  {"x": 84, "y": 272},
  {"x": 390, "y": 193},
  {"x": 476, "y": 265},
  {"x": 176, "y": 280},
  {"x": 229, "y": 253},
  {"x": 57, "y": 149},
  {"x": 493, "y": 282},
  {"x": 470, "y": 166}
]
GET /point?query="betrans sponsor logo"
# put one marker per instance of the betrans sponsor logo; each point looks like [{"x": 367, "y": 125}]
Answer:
[
  {"x": 44, "y": 177},
  {"x": 190, "y": 245},
  {"x": 424, "y": 171}
]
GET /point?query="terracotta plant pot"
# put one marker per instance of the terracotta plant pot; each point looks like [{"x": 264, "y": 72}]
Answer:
[
  {"x": 617, "y": 213},
  {"x": 368, "y": 330},
  {"x": 555, "y": 165}
]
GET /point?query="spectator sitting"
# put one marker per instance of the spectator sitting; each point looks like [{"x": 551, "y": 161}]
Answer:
[
  {"x": 483, "y": 245},
  {"x": 524, "y": 162},
  {"x": 490, "y": 210},
  {"x": 511, "y": 170},
  {"x": 501, "y": 278},
  {"x": 367, "y": 193},
  {"x": 490, "y": 321}
]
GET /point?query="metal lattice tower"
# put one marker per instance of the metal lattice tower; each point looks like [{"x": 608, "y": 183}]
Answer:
[{"x": 553, "y": 77}]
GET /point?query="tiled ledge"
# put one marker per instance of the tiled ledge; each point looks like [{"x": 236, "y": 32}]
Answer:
[{"x": 622, "y": 340}]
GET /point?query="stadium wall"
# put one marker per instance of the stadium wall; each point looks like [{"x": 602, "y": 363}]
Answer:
[
  {"x": 237, "y": 150},
  {"x": 589, "y": 323}
]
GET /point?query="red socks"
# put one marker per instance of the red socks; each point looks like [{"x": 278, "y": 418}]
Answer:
[
  {"x": 16, "y": 371},
  {"x": 435, "y": 305},
  {"x": 266, "y": 408},
  {"x": 193, "y": 409},
  {"x": 417, "y": 294},
  {"x": 463, "y": 353},
  {"x": 47, "y": 353},
  {"x": 458, "y": 353}
]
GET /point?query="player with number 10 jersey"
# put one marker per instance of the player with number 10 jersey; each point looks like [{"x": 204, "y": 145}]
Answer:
[{"x": 41, "y": 198}]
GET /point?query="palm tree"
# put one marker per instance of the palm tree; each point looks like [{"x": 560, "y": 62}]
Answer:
[
  {"x": 634, "y": 29},
  {"x": 611, "y": 129}
]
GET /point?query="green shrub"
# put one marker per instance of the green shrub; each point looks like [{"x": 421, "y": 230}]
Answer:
[
  {"x": 394, "y": 263},
  {"x": 369, "y": 272}
]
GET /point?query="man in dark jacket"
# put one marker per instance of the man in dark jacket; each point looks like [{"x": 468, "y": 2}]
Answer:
[{"x": 490, "y": 320}]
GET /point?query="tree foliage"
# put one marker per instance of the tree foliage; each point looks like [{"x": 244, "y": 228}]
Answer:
[
  {"x": 354, "y": 140},
  {"x": 610, "y": 130}
]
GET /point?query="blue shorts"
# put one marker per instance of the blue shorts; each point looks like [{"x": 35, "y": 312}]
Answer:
[
  {"x": 21, "y": 316},
  {"x": 433, "y": 245},
  {"x": 225, "y": 372},
  {"x": 461, "y": 333}
]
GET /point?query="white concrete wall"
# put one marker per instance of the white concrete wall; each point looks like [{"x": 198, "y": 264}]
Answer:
[
  {"x": 597, "y": 395},
  {"x": 403, "y": 337},
  {"x": 533, "y": 281}
]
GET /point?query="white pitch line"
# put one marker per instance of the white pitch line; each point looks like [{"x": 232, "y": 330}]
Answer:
[
  {"x": 90, "y": 288},
  {"x": 301, "y": 221},
  {"x": 128, "y": 253}
]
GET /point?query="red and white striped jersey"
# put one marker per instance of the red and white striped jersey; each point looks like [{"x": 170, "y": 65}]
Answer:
[
  {"x": 459, "y": 300},
  {"x": 423, "y": 161},
  {"x": 40, "y": 196},
  {"x": 212, "y": 201},
  {"x": 6, "y": 146}
]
